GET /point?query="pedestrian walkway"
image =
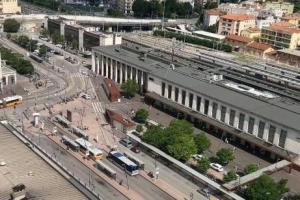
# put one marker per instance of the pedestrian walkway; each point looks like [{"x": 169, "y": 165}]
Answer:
[
  {"x": 97, "y": 106},
  {"x": 80, "y": 76}
]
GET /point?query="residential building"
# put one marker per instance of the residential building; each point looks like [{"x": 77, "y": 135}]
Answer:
[
  {"x": 251, "y": 33},
  {"x": 258, "y": 49},
  {"x": 251, "y": 117},
  {"x": 211, "y": 17},
  {"x": 288, "y": 56},
  {"x": 292, "y": 19},
  {"x": 281, "y": 35},
  {"x": 265, "y": 18},
  {"x": 125, "y": 6},
  {"x": 235, "y": 24},
  {"x": 243, "y": 8},
  {"x": 238, "y": 42},
  {"x": 287, "y": 8},
  {"x": 9, "y": 7}
]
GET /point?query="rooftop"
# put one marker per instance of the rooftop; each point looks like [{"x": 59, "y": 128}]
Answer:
[
  {"x": 239, "y": 38},
  {"x": 290, "y": 51},
  {"x": 24, "y": 166},
  {"x": 259, "y": 46},
  {"x": 194, "y": 80},
  {"x": 285, "y": 27},
  {"x": 209, "y": 34},
  {"x": 119, "y": 118},
  {"x": 238, "y": 17}
]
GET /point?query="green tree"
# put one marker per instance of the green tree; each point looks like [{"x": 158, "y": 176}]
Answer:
[
  {"x": 139, "y": 8},
  {"x": 265, "y": 188},
  {"x": 182, "y": 148},
  {"x": 43, "y": 50},
  {"x": 203, "y": 165},
  {"x": 130, "y": 87},
  {"x": 224, "y": 156},
  {"x": 11, "y": 26},
  {"x": 114, "y": 13},
  {"x": 23, "y": 41},
  {"x": 141, "y": 115},
  {"x": 44, "y": 32},
  {"x": 230, "y": 176},
  {"x": 250, "y": 168},
  {"x": 57, "y": 38},
  {"x": 211, "y": 5},
  {"x": 32, "y": 45},
  {"x": 139, "y": 128},
  {"x": 202, "y": 142}
]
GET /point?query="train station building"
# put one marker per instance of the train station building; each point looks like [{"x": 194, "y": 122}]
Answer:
[{"x": 257, "y": 120}]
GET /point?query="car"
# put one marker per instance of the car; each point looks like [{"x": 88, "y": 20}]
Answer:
[
  {"x": 217, "y": 167},
  {"x": 136, "y": 149},
  {"x": 205, "y": 191},
  {"x": 85, "y": 96},
  {"x": 59, "y": 45},
  {"x": 197, "y": 157},
  {"x": 126, "y": 142}
]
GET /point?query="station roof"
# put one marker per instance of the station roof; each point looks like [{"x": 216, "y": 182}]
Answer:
[{"x": 276, "y": 110}]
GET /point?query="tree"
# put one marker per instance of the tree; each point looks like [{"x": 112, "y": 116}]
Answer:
[
  {"x": 211, "y": 5},
  {"x": 44, "y": 32},
  {"x": 250, "y": 168},
  {"x": 139, "y": 128},
  {"x": 114, "y": 13},
  {"x": 141, "y": 115},
  {"x": 43, "y": 50},
  {"x": 57, "y": 38},
  {"x": 182, "y": 148},
  {"x": 225, "y": 155},
  {"x": 11, "y": 26},
  {"x": 130, "y": 87},
  {"x": 230, "y": 176},
  {"x": 23, "y": 41},
  {"x": 202, "y": 142},
  {"x": 203, "y": 165},
  {"x": 265, "y": 188},
  {"x": 139, "y": 8}
]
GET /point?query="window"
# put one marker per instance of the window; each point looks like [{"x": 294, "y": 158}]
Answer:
[
  {"x": 231, "y": 117},
  {"x": 191, "y": 97},
  {"x": 183, "y": 94},
  {"x": 151, "y": 79},
  {"x": 251, "y": 125},
  {"x": 272, "y": 131},
  {"x": 223, "y": 113},
  {"x": 176, "y": 94},
  {"x": 163, "y": 87},
  {"x": 198, "y": 106},
  {"x": 214, "y": 110},
  {"x": 241, "y": 121},
  {"x": 169, "y": 91},
  {"x": 206, "y": 105},
  {"x": 282, "y": 138},
  {"x": 261, "y": 129}
]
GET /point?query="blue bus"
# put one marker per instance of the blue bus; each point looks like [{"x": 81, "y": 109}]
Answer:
[{"x": 129, "y": 166}]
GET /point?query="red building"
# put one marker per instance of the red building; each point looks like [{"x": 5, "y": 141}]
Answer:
[
  {"x": 111, "y": 90},
  {"x": 119, "y": 122}
]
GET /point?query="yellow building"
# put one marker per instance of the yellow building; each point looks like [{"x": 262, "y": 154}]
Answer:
[
  {"x": 9, "y": 7},
  {"x": 287, "y": 8},
  {"x": 235, "y": 24},
  {"x": 251, "y": 33},
  {"x": 281, "y": 35}
]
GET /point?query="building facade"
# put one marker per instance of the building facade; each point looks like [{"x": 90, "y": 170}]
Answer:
[
  {"x": 235, "y": 24},
  {"x": 287, "y": 8},
  {"x": 243, "y": 114},
  {"x": 281, "y": 35},
  {"x": 251, "y": 33},
  {"x": 9, "y": 7},
  {"x": 211, "y": 17}
]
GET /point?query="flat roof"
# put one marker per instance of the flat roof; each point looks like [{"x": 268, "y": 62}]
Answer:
[
  {"x": 278, "y": 110},
  {"x": 293, "y": 52},
  {"x": 24, "y": 166},
  {"x": 208, "y": 34}
]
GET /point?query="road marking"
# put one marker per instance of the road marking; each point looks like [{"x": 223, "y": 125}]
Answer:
[{"x": 97, "y": 106}]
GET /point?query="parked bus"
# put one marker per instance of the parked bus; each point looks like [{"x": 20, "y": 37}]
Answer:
[
  {"x": 134, "y": 159},
  {"x": 84, "y": 144},
  {"x": 89, "y": 149},
  {"x": 70, "y": 143},
  {"x": 10, "y": 101},
  {"x": 106, "y": 169},
  {"x": 79, "y": 132},
  {"x": 123, "y": 162},
  {"x": 95, "y": 153}
]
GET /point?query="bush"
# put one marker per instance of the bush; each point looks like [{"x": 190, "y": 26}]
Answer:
[
  {"x": 203, "y": 165},
  {"x": 194, "y": 40},
  {"x": 139, "y": 128},
  {"x": 141, "y": 115},
  {"x": 250, "y": 168},
  {"x": 225, "y": 155},
  {"x": 230, "y": 176},
  {"x": 11, "y": 26}
]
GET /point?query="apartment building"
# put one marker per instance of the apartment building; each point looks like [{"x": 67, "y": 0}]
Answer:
[
  {"x": 9, "y": 7},
  {"x": 281, "y": 35},
  {"x": 251, "y": 33},
  {"x": 247, "y": 115},
  {"x": 125, "y": 6},
  {"x": 286, "y": 7},
  {"x": 211, "y": 17},
  {"x": 235, "y": 24}
]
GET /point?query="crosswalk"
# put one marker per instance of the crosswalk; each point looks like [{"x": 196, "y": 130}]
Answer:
[
  {"x": 98, "y": 108},
  {"x": 80, "y": 76}
]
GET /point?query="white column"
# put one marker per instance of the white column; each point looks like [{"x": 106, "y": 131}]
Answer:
[
  {"x": 121, "y": 73},
  {"x": 102, "y": 66},
  {"x": 202, "y": 105},
  {"x": 218, "y": 115},
  {"x": 136, "y": 75},
  {"x": 266, "y": 131},
  {"x": 98, "y": 65},
  {"x": 131, "y": 73},
  {"x": 126, "y": 72},
  {"x": 106, "y": 66},
  {"x": 209, "y": 113},
  {"x": 142, "y": 78},
  {"x": 255, "y": 127},
  {"x": 111, "y": 69},
  {"x": 116, "y": 71}
]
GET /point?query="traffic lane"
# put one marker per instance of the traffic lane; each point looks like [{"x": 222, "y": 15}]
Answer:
[
  {"x": 166, "y": 174},
  {"x": 139, "y": 184},
  {"x": 85, "y": 174}
]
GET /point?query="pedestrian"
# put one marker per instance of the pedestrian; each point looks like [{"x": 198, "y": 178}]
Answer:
[{"x": 121, "y": 182}]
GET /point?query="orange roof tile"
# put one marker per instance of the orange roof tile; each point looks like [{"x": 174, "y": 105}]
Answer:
[
  {"x": 285, "y": 27},
  {"x": 259, "y": 46},
  {"x": 239, "y": 38},
  {"x": 119, "y": 118},
  {"x": 238, "y": 17}
]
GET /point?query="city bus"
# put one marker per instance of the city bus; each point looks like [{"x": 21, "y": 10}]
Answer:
[
  {"x": 106, "y": 169},
  {"x": 10, "y": 101},
  {"x": 122, "y": 161},
  {"x": 95, "y": 153},
  {"x": 88, "y": 148},
  {"x": 84, "y": 144},
  {"x": 70, "y": 143},
  {"x": 79, "y": 132}
]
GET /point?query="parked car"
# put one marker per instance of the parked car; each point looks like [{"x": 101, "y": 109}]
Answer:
[
  {"x": 126, "y": 142},
  {"x": 217, "y": 167},
  {"x": 136, "y": 149},
  {"x": 205, "y": 191},
  {"x": 85, "y": 96},
  {"x": 59, "y": 45},
  {"x": 197, "y": 157}
]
